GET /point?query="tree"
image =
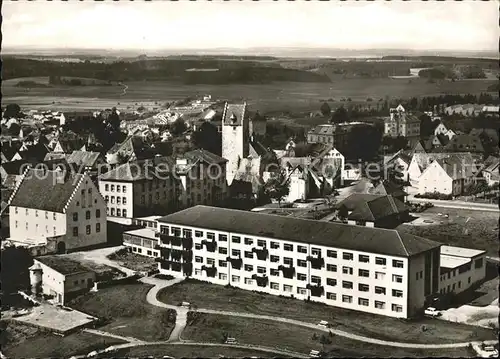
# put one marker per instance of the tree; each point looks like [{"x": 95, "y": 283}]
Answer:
[
  {"x": 114, "y": 120},
  {"x": 277, "y": 187},
  {"x": 343, "y": 213},
  {"x": 15, "y": 269},
  {"x": 12, "y": 110},
  {"x": 178, "y": 127},
  {"x": 426, "y": 126},
  {"x": 340, "y": 115},
  {"x": 325, "y": 109}
]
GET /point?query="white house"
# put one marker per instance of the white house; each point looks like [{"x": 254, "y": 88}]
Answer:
[
  {"x": 56, "y": 211},
  {"x": 382, "y": 271},
  {"x": 461, "y": 268},
  {"x": 440, "y": 129}
]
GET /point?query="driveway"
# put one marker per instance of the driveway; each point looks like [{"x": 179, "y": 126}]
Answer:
[{"x": 99, "y": 256}]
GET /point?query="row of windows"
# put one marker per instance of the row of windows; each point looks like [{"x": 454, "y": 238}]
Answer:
[
  {"x": 88, "y": 229},
  {"x": 16, "y": 211},
  {"x": 119, "y": 200},
  {"x": 87, "y": 215},
  {"x": 452, "y": 286},
  {"x": 116, "y": 212},
  {"x": 118, "y": 188}
]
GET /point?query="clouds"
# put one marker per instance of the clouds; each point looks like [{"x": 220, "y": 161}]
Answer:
[{"x": 164, "y": 25}]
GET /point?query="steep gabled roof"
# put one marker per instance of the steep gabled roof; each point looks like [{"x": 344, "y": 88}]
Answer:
[
  {"x": 337, "y": 235},
  {"x": 160, "y": 167},
  {"x": 205, "y": 156},
  {"x": 17, "y": 167},
  {"x": 388, "y": 188},
  {"x": 41, "y": 190},
  {"x": 465, "y": 143},
  {"x": 84, "y": 158},
  {"x": 234, "y": 113}
]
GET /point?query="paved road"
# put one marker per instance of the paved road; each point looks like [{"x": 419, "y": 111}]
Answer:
[
  {"x": 151, "y": 298},
  {"x": 458, "y": 204},
  {"x": 100, "y": 255}
]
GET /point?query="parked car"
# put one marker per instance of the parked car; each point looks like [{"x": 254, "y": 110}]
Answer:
[
  {"x": 490, "y": 351},
  {"x": 432, "y": 312},
  {"x": 323, "y": 324},
  {"x": 314, "y": 354},
  {"x": 92, "y": 354}
]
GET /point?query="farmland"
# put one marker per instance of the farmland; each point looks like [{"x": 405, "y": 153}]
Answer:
[{"x": 271, "y": 97}]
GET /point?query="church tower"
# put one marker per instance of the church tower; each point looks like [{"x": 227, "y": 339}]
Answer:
[{"x": 235, "y": 137}]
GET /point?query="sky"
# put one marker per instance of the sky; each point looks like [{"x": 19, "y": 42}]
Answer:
[{"x": 467, "y": 26}]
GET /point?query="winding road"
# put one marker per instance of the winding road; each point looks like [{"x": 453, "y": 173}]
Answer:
[{"x": 125, "y": 87}]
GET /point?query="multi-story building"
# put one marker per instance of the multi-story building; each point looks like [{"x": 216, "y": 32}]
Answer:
[
  {"x": 235, "y": 137},
  {"x": 139, "y": 188},
  {"x": 56, "y": 211},
  {"x": 401, "y": 123},
  {"x": 367, "y": 269},
  {"x": 461, "y": 268}
]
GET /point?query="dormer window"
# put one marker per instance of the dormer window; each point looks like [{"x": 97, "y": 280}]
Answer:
[{"x": 233, "y": 118}]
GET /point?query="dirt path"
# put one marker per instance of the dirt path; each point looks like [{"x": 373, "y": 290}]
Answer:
[{"x": 100, "y": 255}]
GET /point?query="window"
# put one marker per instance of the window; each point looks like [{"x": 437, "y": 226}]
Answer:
[
  {"x": 397, "y": 308},
  {"x": 118, "y": 212},
  {"x": 53, "y": 216},
  {"x": 331, "y": 282},
  {"x": 478, "y": 263},
  {"x": 331, "y": 254},
  {"x": 75, "y": 216},
  {"x": 380, "y": 290},
  {"x": 98, "y": 213},
  {"x": 112, "y": 188},
  {"x": 248, "y": 267},
  {"x": 331, "y": 267},
  {"x": 275, "y": 245},
  {"x": 222, "y": 276},
  {"x": 235, "y": 278},
  {"x": 124, "y": 213},
  {"x": 397, "y": 263},
  {"x": 288, "y": 247},
  {"x": 315, "y": 251},
  {"x": 197, "y": 246},
  {"x": 302, "y": 291},
  {"x": 364, "y": 258},
  {"x": 347, "y": 270},
  {"x": 118, "y": 200},
  {"x": 363, "y": 273},
  {"x": 198, "y": 259},
  {"x": 347, "y": 256},
  {"x": 87, "y": 215},
  {"x": 106, "y": 199},
  {"x": 87, "y": 229},
  {"x": 316, "y": 280},
  {"x": 301, "y": 263},
  {"x": 397, "y": 278},
  {"x": 248, "y": 254},
  {"x": 106, "y": 187},
  {"x": 112, "y": 199},
  {"x": 75, "y": 231},
  {"x": 379, "y": 275},
  {"x": 363, "y": 301},
  {"x": 288, "y": 261},
  {"x": 331, "y": 296},
  {"x": 222, "y": 263},
  {"x": 346, "y": 284},
  {"x": 248, "y": 281},
  {"x": 380, "y": 261},
  {"x": 222, "y": 238},
  {"x": 275, "y": 259},
  {"x": 98, "y": 227},
  {"x": 235, "y": 239},
  {"x": 36, "y": 213},
  {"x": 124, "y": 189},
  {"x": 347, "y": 298},
  {"x": 379, "y": 304},
  {"x": 261, "y": 243},
  {"x": 301, "y": 276},
  {"x": 363, "y": 287},
  {"x": 198, "y": 234},
  {"x": 236, "y": 252},
  {"x": 118, "y": 188},
  {"x": 211, "y": 236},
  {"x": 222, "y": 250},
  {"x": 397, "y": 293},
  {"x": 261, "y": 270},
  {"x": 287, "y": 288},
  {"x": 248, "y": 241},
  {"x": 274, "y": 272},
  {"x": 275, "y": 286},
  {"x": 301, "y": 249}
]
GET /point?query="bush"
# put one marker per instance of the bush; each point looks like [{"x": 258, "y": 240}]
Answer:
[{"x": 434, "y": 195}]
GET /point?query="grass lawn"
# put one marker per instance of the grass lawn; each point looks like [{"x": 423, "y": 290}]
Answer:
[
  {"x": 134, "y": 261},
  {"x": 212, "y": 296},
  {"x": 464, "y": 228},
  {"x": 188, "y": 351},
  {"x": 127, "y": 312},
  {"x": 20, "y": 341},
  {"x": 210, "y": 328}
]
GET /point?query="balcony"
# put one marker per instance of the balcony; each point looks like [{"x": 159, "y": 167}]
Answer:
[
  {"x": 211, "y": 271},
  {"x": 176, "y": 266},
  {"x": 261, "y": 280},
  {"x": 165, "y": 239},
  {"x": 316, "y": 290},
  {"x": 316, "y": 262},
  {"x": 165, "y": 253},
  {"x": 157, "y": 247},
  {"x": 176, "y": 241},
  {"x": 236, "y": 263},
  {"x": 187, "y": 256},
  {"x": 187, "y": 243},
  {"x": 176, "y": 255},
  {"x": 211, "y": 245},
  {"x": 288, "y": 272},
  {"x": 262, "y": 253},
  {"x": 165, "y": 264}
]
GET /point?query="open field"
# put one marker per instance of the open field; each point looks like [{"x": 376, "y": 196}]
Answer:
[
  {"x": 187, "y": 351},
  {"x": 211, "y": 296},
  {"x": 210, "y": 328},
  {"x": 278, "y": 96},
  {"x": 20, "y": 341},
  {"x": 134, "y": 261},
  {"x": 127, "y": 313},
  {"x": 463, "y": 228}
]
